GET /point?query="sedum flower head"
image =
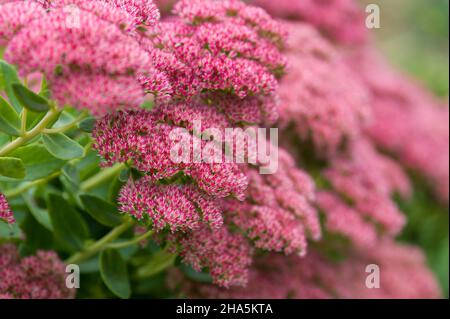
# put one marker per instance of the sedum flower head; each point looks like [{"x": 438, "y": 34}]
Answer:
[{"x": 40, "y": 276}]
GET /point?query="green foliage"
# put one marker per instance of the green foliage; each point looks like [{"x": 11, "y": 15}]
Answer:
[
  {"x": 62, "y": 147},
  {"x": 69, "y": 227},
  {"x": 38, "y": 162},
  {"x": 9, "y": 119},
  {"x": 30, "y": 100},
  {"x": 12, "y": 167},
  {"x": 113, "y": 270},
  {"x": 102, "y": 211},
  {"x": 8, "y": 77}
]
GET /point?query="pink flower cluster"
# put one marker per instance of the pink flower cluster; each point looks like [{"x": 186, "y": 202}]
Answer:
[
  {"x": 278, "y": 214},
  {"x": 88, "y": 50},
  {"x": 141, "y": 138},
  {"x": 326, "y": 107},
  {"x": 224, "y": 47},
  {"x": 6, "y": 214},
  {"x": 40, "y": 276},
  {"x": 226, "y": 255},
  {"x": 408, "y": 121},
  {"x": 341, "y": 20},
  {"x": 178, "y": 207},
  {"x": 367, "y": 180},
  {"x": 403, "y": 275},
  {"x": 222, "y": 59}
]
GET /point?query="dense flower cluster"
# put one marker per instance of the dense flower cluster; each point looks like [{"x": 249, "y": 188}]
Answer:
[
  {"x": 180, "y": 207},
  {"x": 226, "y": 255},
  {"x": 367, "y": 180},
  {"x": 40, "y": 276},
  {"x": 215, "y": 65},
  {"x": 6, "y": 214},
  {"x": 408, "y": 121},
  {"x": 227, "y": 53},
  {"x": 403, "y": 275},
  {"x": 200, "y": 51},
  {"x": 77, "y": 44},
  {"x": 278, "y": 213},
  {"x": 327, "y": 107},
  {"x": 341, "y": 20},
  {"x": 141, "y": 138}
]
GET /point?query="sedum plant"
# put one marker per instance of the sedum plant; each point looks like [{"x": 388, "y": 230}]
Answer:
[{"x": 90, "y": 93}]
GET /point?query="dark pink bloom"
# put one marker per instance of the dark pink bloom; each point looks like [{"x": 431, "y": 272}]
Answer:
[
  {"x": 41, "y": 276},
  {"x": 176, "y": 207},
  {"x": 6, "y": 214},
  {"x": 226, "y": 255}
]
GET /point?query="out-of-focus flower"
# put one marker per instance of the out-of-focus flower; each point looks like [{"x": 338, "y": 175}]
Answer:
[
  {"x": 408, "y": 121},
  {"x": 345, "y": 220},
  {"x": 177, "y": 207},
  {"x": 328, "y": 107},
  {"x": 6, "y": 214},
  {"x": 41, "y": 276},
  {"x": 367, "y": 180},
  {"x": 403, "y": 274},
  {"x": 341, "y": 20},
  {"x": 226, "y": 255}
]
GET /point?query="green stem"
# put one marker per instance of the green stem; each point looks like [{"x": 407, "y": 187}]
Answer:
[
  {"x": 101, "y": 177},
  {"x": 67, "y": 127},
  {"x": 48, "y": 118},
  {"x": 23, "y": 126},
  {"x": 99, "y": 245},
  {"x": 23, "y": 188},
  {"x": 132, "y": 241}
]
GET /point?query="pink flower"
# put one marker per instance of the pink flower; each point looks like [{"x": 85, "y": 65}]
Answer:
[
  {"x": 327, "y": 107},
  {"x": 14, "y": 15},
  {"x": 408, "y": 121},
  {"x": 6, "y": 214},
  {"x": 93, "y": 42},
  {"x": 35, "y": 277},
  {"x": 368, "y": 180},
  {"x": 404, "y": 275},
  {"x": 143, "y": 139},
  {"x": 278, "y": 214},
  {"x": 341, "y": 20},
  {"x": 226, "y": 255},
  {"x": 342, "y": 219},
  {"x": 177, "y": 207},
  {"x": 223, "y": 53}
]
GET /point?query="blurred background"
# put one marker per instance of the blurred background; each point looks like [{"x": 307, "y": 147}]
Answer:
[{"x": 414, "y": 36}]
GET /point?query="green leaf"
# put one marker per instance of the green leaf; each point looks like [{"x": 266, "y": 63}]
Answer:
[
  {"x": 8, "y": 76},
  {"x": 9, "y": 119},
  {"x": 9, "y": 232},
  {"x": 39, "y": 163},
  {"x": 62, "y": 147},
  {"x": 69, "y": 227},
  {"x": 87, "y": 125},
  {"x": 113, "y": 270},
  {"x": 30, "y": 100},
  {"x": 41, "y": 215},
  {"x": 102, "y": 211},
  {"x": 44, "y": 92},
  {"x": 12, "y": 167},
  {"x": 157, "y": 263}
]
